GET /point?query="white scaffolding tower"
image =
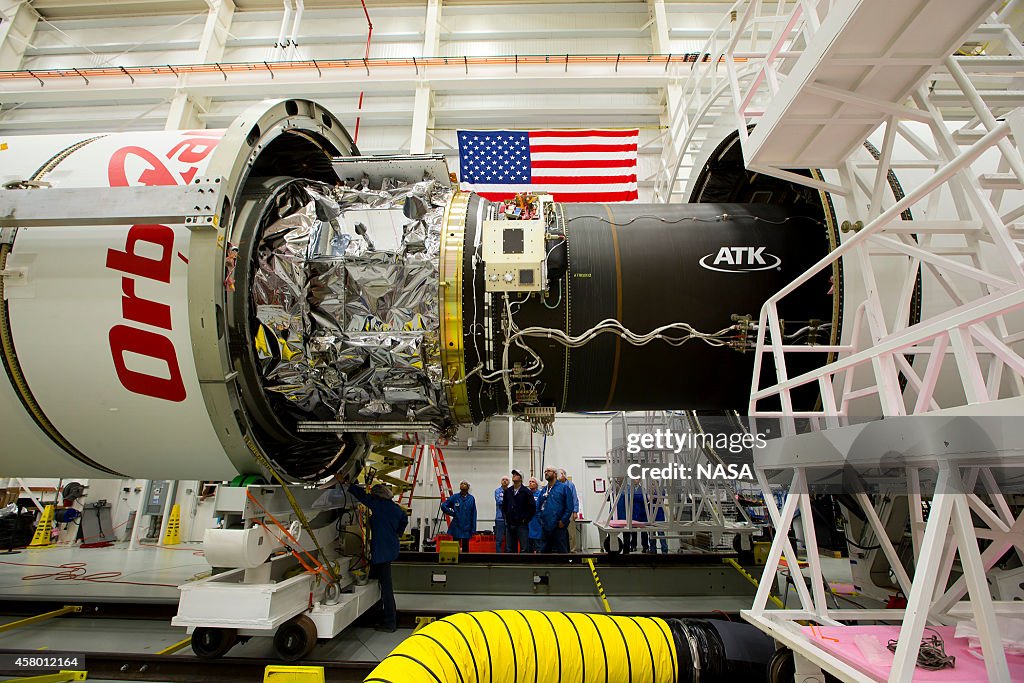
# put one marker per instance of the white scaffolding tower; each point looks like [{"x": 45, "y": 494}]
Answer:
[
  {"x": 941, "y": 82},
  {"x": 703, "y": 513}
]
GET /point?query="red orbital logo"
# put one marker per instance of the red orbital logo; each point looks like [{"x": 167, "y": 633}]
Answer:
[{"x": 147, "y": 255}]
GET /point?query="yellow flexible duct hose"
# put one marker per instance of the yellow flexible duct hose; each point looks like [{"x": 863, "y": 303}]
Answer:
[{"x": 524, "y": 646}]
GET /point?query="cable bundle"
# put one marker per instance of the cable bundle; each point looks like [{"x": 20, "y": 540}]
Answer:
[
  {"x": 697, "y": 219},
  {"x": 932, "y": 655},
  {"x": 610, "y": 325}
]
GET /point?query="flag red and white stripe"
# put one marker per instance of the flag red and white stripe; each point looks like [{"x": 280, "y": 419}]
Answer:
[{"x": 571, "y": 165}]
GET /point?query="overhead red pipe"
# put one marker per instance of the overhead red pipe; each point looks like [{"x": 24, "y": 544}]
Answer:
[
  {"x": 225, "y": 68},
  {"x": 366, "y": 58}
]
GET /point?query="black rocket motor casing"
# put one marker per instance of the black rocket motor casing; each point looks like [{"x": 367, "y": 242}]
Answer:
[{"x": 648, "y": 266}]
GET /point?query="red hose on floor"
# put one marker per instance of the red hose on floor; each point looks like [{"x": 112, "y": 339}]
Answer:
[{"x": 78, "y": 571}]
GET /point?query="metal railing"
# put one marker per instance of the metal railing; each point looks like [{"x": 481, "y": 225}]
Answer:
[
  {"x": 754, "y": 67},
  {"x": 959, "y": 232},
  {"x": 984, "y": 285}
]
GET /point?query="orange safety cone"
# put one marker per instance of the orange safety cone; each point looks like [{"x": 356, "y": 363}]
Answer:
[
  {"x": 173, "y": 534},
  {"x": 44, "y": 530}
]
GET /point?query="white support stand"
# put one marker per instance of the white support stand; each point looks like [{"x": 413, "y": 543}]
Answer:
[
  {"x": 147, "y": 489},
  {"x": 816, "y": 91},
  {"x": 264, "y": 588},
  {"x": 950, "y": 529},
  {"x": 169, "y": 500},
  {"x": 28, "y": 493},
  {"x": 698, "y": 506}
]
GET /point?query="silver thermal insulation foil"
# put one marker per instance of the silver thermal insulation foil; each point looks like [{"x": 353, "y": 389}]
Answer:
[{"x": 346, "y": 292}]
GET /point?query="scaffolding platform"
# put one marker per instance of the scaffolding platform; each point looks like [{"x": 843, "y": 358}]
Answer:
[{"x": 857, "y": 70}]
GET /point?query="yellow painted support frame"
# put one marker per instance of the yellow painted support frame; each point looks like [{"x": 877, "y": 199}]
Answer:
[
  {"x": 386, "y": 463},
  {"x": 28, "y": 621},
  {"x": 736, "y": 565},
  {"x": 59, "y": 677},
  {"x": 448, "y": 552},
  {"x": 423, "y": 621},
  {"x": 597, "y": 582},
  {"x": 180, "y": 645},
  {"x": 276, "y": 673}
]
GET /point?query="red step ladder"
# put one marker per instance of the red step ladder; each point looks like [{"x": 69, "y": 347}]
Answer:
[{"x": 444, "y": 482}]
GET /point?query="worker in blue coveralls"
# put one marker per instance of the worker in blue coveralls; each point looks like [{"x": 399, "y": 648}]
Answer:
[
  {"x": 499, "y": 516},
  {"x": 536, "y": 531},
  {"x": 574, "y": 527},
  {"x": 639, "y": 514},
  {"x": 387, "y": 522},
  {"x": 462, "y": 509},
  {"x": 555, "y": 513}
]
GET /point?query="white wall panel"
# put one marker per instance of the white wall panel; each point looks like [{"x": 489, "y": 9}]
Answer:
[
  {"x": 326, "y": 34},
  {"x": 555, "y": 45},
  {"x": 556, "y": 29},
  {"x": 63, "y": 44},
  {"x": 27, "y": 120},
  {"x": 577, "y": 438}
]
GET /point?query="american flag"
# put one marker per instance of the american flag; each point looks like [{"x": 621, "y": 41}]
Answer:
[{"x": 572, "y": 165}]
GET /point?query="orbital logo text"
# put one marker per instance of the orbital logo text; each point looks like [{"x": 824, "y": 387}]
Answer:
[
  {"x": 147, "y": 255},
  {"x": 740, "y": 260}
]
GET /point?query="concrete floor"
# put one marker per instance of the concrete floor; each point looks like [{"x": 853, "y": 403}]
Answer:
[
  {"x": 75, "y": 634},
  {"x": 159, "y": 570},
  {"x": 155, "y": 572},
  {"x": 425, "y": 602},
  {"x": 134, "y": 636},
  {"x": 145, "y": 568},
  {"x": 69, "y": 635}
]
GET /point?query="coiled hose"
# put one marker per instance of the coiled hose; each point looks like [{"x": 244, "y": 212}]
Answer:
[{"x": 523, "y": 646}]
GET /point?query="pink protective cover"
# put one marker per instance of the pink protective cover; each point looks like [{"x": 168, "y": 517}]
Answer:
[
  {"x": 969, "y": 667},
  {"x": 621, "y": 523}
]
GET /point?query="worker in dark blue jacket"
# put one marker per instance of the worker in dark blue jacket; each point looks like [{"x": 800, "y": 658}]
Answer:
[
  {"x": 387, "y": 522},
  {"x": 461, "y": 507},
  {"x": 555, "y": 512},
  {"x": 519, "y": 508}
]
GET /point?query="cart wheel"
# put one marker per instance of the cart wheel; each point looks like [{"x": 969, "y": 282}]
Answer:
[
  {"x": 211, "y": 643},
  {"x": 295, "y": 638},
  {"x": 781, "y": 668},
  {"x": 608, "y": 544}
]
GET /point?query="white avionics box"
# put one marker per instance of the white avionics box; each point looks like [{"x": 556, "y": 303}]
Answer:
[{"x": 514, "y": 256}]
